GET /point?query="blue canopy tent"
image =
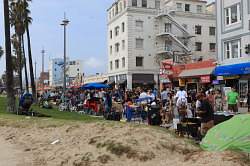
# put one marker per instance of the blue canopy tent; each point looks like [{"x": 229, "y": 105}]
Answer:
[
  {"x": 235, "y": 69},
  {"x": 94, "y": 86}
]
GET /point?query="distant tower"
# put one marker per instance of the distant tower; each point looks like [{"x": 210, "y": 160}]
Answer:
[{"x": 43, "y": 54}]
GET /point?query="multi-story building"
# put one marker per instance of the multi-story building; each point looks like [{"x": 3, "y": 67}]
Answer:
[
  {"x": 142, "y": 32},
  {"x": 233, "y": 38},
  {"x": 56, "y": 72},
  {"x": 74, "y": 69}
]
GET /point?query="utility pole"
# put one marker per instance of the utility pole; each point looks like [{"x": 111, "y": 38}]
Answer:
[
  {"x": 35, "y": 70},
  {"x": 43, "y": 54},
  {"x": 64, "y": 23}
]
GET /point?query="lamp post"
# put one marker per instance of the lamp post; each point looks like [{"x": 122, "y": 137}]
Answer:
[{"x": 64, "y": 23}]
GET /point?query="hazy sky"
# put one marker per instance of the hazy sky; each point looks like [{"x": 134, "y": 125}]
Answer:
[{"x": 86, "y": 31}]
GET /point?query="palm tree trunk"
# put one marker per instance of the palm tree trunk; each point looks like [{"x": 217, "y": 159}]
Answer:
[
  {"x": 32, "y": 79},
  {"x": 25, "y": 66},
  {"x": 11, "y": 107},
  {"x": 20, "y": 64}
]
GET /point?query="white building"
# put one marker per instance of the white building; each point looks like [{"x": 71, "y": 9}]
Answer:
[
  {"x": 73, "y": 69},
  {"x": 233, "y": 38},
  {"x": 56, "y": 72},
  {"x": 142, "y": 31}
]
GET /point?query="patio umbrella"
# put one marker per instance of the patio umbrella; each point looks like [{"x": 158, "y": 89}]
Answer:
[
  {"x": 95, "y": 86},
  {"x": 233, "y": 134}
]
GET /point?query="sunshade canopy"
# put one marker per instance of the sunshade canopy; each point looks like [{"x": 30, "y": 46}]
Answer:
[
  {"x": 95, "y": 86},
  {"x": 233, "y": 134},
  {"x": 197, "y": 72}
]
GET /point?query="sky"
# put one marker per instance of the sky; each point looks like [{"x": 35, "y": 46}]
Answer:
[{"x": 86, "y": 33}]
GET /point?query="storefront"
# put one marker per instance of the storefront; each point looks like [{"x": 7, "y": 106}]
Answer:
[
  {"x": 238, "y": 76},
  {"x": 195, "y": 79},
  {"x": 143, "y": 80},
  {"x": 192, "y": 76}
]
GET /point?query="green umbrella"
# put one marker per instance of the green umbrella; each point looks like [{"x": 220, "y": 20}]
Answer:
[{"x": 233, "y": 134}]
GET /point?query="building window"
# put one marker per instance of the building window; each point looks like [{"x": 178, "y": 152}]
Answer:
[
  {"x": 212, "y": 47},
  {"x": 139, "y": 24},
  {"x": 120, "y": 6},
  {"x": 117, "y": 64},
  {"x": 123, "y": 27},
  {"x": 232, "y": 49},
  {"x": 110, "y": 34},
  {"x": 198, "y": 46},
  {"x": 232, "y": 14},
  {"x": 157, "y": 4},
  {"x": 199, "y": 9},
  {"x": 111, "y": 65},
  {"x": 78, "y": 70},
  {"x": 117, "y": 45},
  {"x": 212, "y": 31},
  {"x": 113, "y": 12},
  {"x": 139, "y": 43},
  {"x": 168, "y": 27},
  {"x": 187, "y": 7},
  {"x": 139, "y": 61},
  {"x": 55, "y": 69},
  {"x": 144, "y": 3},
  {"x": 134, "y": 3},
  {"x": 116, "y": 9},
  {"x": 110, "y": 50},
  {"x": 179, "y": 6},
  {"x": 123, "y": 44},
  {"x": 117, "y": 30},
  {"x": 123, "y": 62},
  {"x": 168, "y": 45},
  {"x": 197, "y": 29}
]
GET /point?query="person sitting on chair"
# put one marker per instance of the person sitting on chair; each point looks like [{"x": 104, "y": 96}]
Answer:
[{"x": 25, "y": 102}]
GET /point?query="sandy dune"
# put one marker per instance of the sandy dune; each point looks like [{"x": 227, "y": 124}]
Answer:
[{"x": 97, "y": 144}]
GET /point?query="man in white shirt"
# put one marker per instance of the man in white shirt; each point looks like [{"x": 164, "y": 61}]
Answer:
[{"x": 181, "y": 97}]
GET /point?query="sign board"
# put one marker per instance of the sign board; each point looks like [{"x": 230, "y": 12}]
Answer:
[
  {"x": 205, "y": 79},
  {"x": 181, "y": 82},
  {"x": 226, "y": 90},
  {"x": 220, "y": 78},
  {"x": 216, "y": 82}
]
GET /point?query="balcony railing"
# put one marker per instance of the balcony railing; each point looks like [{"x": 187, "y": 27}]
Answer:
[{"x": 163, "y": 49}]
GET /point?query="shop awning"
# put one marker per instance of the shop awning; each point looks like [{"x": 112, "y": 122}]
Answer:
[
  {"x": 196, "y": 72},
  {"x": 236, "y": 69}
]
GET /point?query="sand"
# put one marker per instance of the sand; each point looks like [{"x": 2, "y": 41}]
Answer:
[{"x": 102, "y": 143}]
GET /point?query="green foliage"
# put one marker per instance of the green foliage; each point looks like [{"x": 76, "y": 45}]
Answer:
[{"x": 53, "y": 113}]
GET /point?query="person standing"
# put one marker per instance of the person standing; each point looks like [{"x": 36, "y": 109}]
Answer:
[
  {"x": 164, "y": 97},
  {"x": 206, "y": 113},
  {"x": 232, "y": 100}
]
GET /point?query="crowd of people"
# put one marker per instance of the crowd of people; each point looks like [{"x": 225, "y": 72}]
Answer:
[{"x": 155, "y": 107}]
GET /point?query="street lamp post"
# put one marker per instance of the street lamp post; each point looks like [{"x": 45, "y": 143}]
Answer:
[{"x": 64, "y": 23}]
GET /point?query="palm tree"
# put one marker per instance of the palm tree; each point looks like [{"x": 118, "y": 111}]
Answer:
[
  {"x": 16, "y": 17},
  {"x": 11, "y": 107},
  {"x": 27, "y": 22}
]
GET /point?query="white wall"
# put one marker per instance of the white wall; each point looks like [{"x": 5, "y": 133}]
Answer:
[{"x": 236, "y": 31}]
